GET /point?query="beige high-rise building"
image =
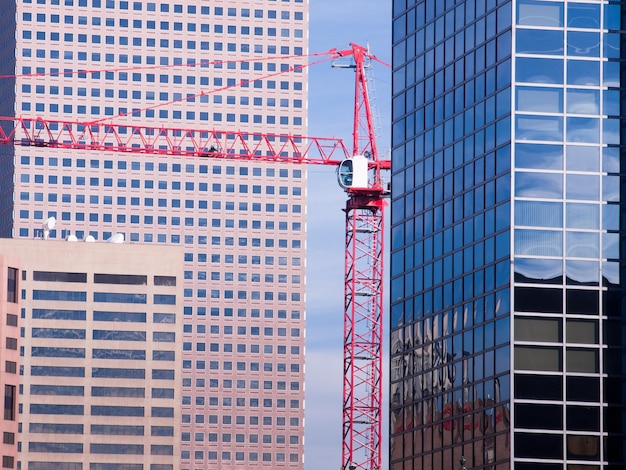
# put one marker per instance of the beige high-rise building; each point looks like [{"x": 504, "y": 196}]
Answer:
[
  {"x": 185, "y": 64},
  {"x": 9, "y": 358},
  {"x": 101, "y": 353}
]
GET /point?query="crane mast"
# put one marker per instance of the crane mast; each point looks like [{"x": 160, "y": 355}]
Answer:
[
  {"x": 364, "y": 236},
  {"x": 363, "y": 293}
]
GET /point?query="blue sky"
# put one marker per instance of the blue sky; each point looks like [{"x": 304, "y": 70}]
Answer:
[{"x": 331, "y": 100}]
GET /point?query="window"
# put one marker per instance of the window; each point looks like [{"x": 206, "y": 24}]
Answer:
[
  {"x": 12, "y": 285},
  {"x": 10, "y": 367},
  {"x": 10, "y": 398}
]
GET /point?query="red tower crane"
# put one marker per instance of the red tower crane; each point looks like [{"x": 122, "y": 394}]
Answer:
[{"x": 359, "y": 173}]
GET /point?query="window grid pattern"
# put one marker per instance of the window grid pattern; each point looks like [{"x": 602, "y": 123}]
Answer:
[
  {"x": 558, "y": 214},
  {"x": 565, "y": 243},
  {"x": 94, "y": 362},
  {"x": 242, "y": 247},
  {"x": 450, "y": 296}
]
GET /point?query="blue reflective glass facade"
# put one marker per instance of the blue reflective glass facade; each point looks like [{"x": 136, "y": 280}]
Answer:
[{"x": 506, "y": 297}]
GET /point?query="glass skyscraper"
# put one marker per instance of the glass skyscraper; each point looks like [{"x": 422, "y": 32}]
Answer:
[{"x": 507, "y": 334}]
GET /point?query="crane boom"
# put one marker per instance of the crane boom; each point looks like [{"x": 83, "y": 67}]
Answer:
[
  {"x": 363, "y": 304},
  {"x": 284, "y": 148}
]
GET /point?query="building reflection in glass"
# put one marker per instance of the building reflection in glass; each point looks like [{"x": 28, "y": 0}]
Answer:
[
  {"x": 444, "y": 405},
  {"x": 508, "y": 151}
]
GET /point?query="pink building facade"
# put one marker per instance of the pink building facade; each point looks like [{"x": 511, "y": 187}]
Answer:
[
  {"x": 9, "y": 358},
  {"x": 189, "y": 64},
  {"x": 101, "y": 354}
]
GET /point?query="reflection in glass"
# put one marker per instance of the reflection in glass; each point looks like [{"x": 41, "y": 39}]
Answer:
[
  {"x": 534, "y": 13},
  {"x": 581, "y": 101},
  {"x": 539, "y": 214},
  {"x": 582, "y": 244},
  {"x": 539, "y": 128},
  {"x": 585, "y": 187},
  {"x": 610, "y": 273},
  {"x": 474, "y": 413},
  {"x": 542, "y": 99},
  {"x": 610, "y": 245},
  {"x": 584, "y": 273},
  {"x": 583, "y": 15},
  {"x": 539, "y": 156},
  {"x": 397, "y": 288},
  {"x": 611, "y": 49},
  {"x": 610, "y": 102},
  {"x": 537, "y": 41},
  {"x": 611, "y": 73},
  {"x": 539, "y": 185},
  {"x": 534, "y": 270},
  {"x": 583, "y": 447},
  {"x": 610, "y": 188},
  {"x": 583, "y": 158},
  {"x": 611, "y": 131},
  {"x": 611, "y": 160},
  {"x": 535, "y": 70},
  {"x": 502, "y": 132},
  {"x": 583, "y": 44},
  {"x": 610, "y": 217},
  {"x": 582, "y": 215},
  {"x": 583, "y": 72},
  {"x": 612, "y": 17},
  {"x": 583, "y": 130},
  {"x": 538, "y": 242}
]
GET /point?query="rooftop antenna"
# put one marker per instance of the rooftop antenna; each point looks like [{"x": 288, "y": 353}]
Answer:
[{"x": 48, "y": 225}]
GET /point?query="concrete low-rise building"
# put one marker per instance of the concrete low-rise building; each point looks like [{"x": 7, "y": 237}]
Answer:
[{"x": 100, "y": 366}]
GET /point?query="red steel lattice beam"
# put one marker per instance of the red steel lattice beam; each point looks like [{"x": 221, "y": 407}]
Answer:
[
  {"x": 281, "y": 148},
  {"x": 363, "y": 307},
  {"x": 362, "y": 395}
]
